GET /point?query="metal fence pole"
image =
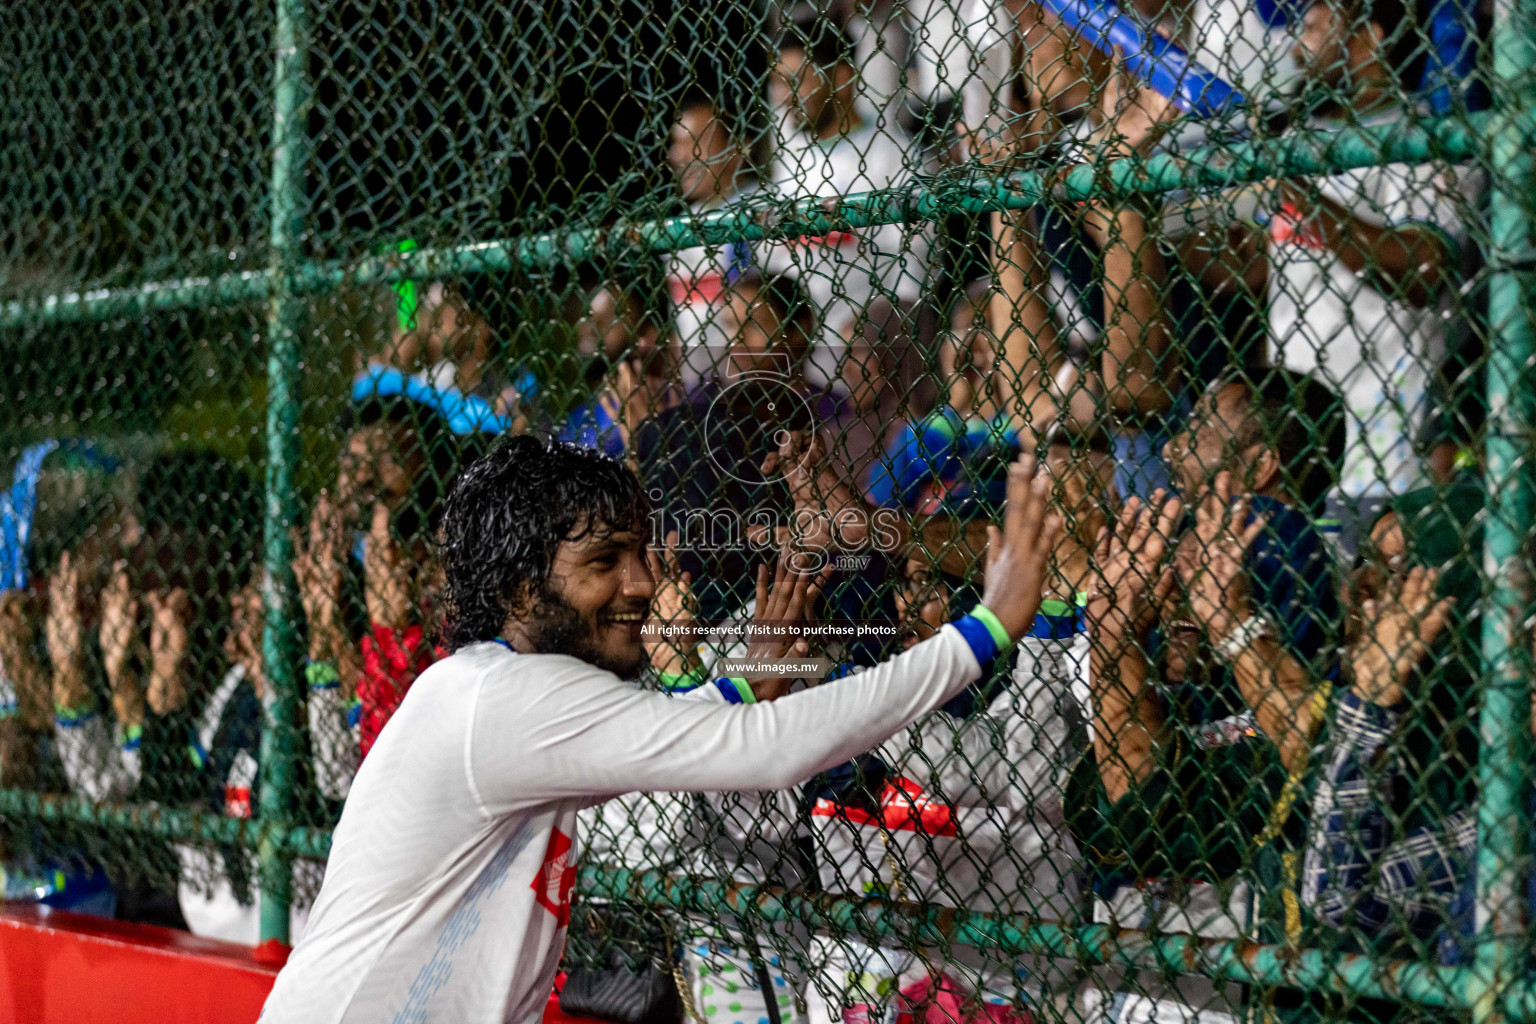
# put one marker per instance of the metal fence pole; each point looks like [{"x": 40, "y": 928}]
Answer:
[
  {"x": 1503, "y": 825},
  {"x": 284, "y": 313},
  {"x": 1456, "y": 139}
]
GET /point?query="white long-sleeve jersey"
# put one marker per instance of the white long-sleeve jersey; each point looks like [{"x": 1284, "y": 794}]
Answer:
[
  {"x": 972, "y": 819},
  {"x": 1002, "y": 772},
  {"x": 448, "y": 886}
]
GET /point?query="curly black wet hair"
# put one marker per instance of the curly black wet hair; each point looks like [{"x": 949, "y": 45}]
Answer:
[{"x": 508, "y": 513}]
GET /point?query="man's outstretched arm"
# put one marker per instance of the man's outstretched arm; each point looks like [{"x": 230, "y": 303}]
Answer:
[{"x": 582, "y": 734}]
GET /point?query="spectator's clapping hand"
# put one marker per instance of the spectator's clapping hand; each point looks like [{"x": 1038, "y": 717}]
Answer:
[
  {"x": 317, "y": 567},
  {"x": 633, "y": 400},
  {"x": 385, "y": 583},
  {"x": 1398, "y": 628},
  {"x": 119, "y": 634},
  {"x": 242, "y": 646},
  {"x": 1017, "y": 554},
  {"x": 167, "y": 690},
  {"x": 817, "y": 492},
  {"x": 1132, "y": 116},
  {"x": 788, "y": 600},
  {"x": 65, "y": 632},
  {"x": 33, "y": 701},
  {"x": 1213, "y": 575},
  {"x": 1129, "y": 558},
  {"x": 674, "y": 607}
]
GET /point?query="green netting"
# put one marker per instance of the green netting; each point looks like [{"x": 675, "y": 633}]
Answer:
[{"x": 270, "y": 276}]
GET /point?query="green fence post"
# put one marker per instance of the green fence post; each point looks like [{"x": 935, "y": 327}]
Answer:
[
  {"x": 1503, "y": 771},
  {"x": 284, "y": 312}
]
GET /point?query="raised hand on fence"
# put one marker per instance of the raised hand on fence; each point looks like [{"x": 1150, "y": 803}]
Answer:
[
  {"x": 318, "y": 566},
  {"x": 66, "y": 636},
  {"x": 335, "y": 663},
  {"x": 168, "y": 642},
  {"x": 1133, "y": 116},
  {"x": 820, "y": 496},
  {"x": 1135, "y": 366},
  {"x": 673, "y": 606},
  {"x": 998, "y": 126},
  {"x": 119, "y": 637},
  {"x": 1031, "y": 375},
  {"x": 1278, "y": 688},
  {"x": 1215, "y": 574},
  {"x": 789, "y": 599},
  {"x": 1129, "y": 576},
  {"x": 18, "y": 660},
  {"x": 1019, "y": 551},
  {"x": 1129, "y": 581},
  {"x": 243, "y": 642},
  {"x": 1398, "y": 628},
  {"x": 633, "y": 400},
  {"x": 386, "y": 580}
]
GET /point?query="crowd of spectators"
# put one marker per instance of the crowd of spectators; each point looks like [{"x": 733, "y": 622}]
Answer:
[{"x": 1245, "y": 710}]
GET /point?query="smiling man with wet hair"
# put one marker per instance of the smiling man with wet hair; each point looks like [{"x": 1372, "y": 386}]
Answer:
[{"x": 448, "y": 887}]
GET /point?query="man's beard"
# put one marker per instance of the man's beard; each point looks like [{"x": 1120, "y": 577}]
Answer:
[{"x": 558, "y": 628}]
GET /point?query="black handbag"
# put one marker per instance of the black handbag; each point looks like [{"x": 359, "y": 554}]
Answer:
[{"x": 620, "y": 967}]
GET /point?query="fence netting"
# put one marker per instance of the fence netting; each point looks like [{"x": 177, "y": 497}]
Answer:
[{"x": 819, "y": 272}]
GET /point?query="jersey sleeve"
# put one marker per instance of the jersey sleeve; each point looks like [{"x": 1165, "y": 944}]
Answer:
[
  {"x": 1015, "y": 755},
  {"x": 1409, "y": 195},
  {"x": 581, "y": 733},
  {"x": 989, "y": 29},
  {"x": 100, "y": 761},
  {"x": 333, "y": 731}
]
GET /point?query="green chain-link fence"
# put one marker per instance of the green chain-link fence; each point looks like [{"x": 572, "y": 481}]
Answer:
[{"x": 270, "y": 275}]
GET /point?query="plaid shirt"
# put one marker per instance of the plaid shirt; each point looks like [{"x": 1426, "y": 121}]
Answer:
[{"x": 1361, "y": 869}]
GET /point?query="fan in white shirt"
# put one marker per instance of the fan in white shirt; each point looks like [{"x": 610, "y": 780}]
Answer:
[
  {"x": 829, "y": 149},
  {"x": 448, "y": 887},
  {"x": 1358, "y": 264},
  {"x": 709, "y": 162}
]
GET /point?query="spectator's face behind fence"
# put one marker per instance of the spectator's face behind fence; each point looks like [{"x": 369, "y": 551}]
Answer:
[
  {"x": 615, "y": 327},
  {"x": 702, "y": 153},
  {"x": 543, "y": 544},
  {"x": 922, "y": 600},
  {"x": 379, "y": 463},
  {"x": 399, "y": 454},
  {"x": 450, "y": 329},
  {"x": 1221, "y": 434},
  {"x": 83, "y": 506},
  {"x": 1351, "y": 44},
  {"x": 1279, "y": 432},
  {"x": 1082, "y": 470},
  {"x": 804, "y": 86},
  {"x": 864, "y": 376},
  {"x": 769, "y": 323}
]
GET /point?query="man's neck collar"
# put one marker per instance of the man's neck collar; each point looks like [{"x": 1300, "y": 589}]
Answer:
[{"x": 515, "y": 639}]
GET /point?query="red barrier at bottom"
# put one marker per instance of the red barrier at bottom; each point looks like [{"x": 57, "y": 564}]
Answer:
[{"x": 62, "y": 968}]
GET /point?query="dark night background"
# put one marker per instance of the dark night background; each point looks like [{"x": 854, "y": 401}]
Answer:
[{"x": 144, "y": 156}]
